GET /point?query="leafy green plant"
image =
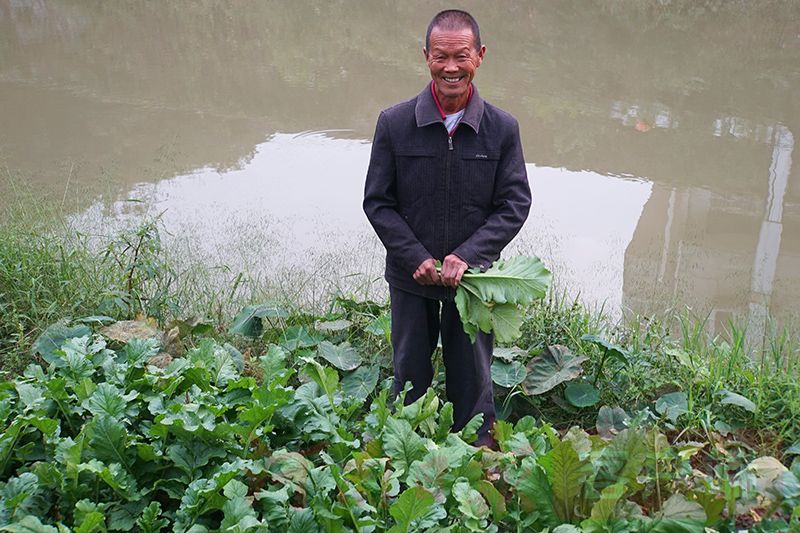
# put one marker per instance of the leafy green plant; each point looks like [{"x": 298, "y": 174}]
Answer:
[
  {"x": 101, "y": 439},
  {"x": 493, "y": 301}
]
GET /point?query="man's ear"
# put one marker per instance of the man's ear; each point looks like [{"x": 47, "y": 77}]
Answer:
[{"x": 425, "y": 53}]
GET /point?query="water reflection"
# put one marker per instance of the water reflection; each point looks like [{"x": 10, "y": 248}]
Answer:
[
  {"x": 695, "y": 104},
  {"x": 294, "y": 213}
]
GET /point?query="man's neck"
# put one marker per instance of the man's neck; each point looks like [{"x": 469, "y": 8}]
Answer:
[{"x": 448, "y": 106}]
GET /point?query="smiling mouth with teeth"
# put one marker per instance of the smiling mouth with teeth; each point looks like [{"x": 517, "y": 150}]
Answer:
[{"x": 452, "y": 80}]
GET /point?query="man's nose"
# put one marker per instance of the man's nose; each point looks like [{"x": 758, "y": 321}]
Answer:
[{"x": 451, "y": 65}]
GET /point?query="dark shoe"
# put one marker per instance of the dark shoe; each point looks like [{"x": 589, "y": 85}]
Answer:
[{"x": 486, "y": 440}]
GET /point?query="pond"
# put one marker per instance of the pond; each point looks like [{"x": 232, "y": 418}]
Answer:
[{"x": 658, "y": 135}]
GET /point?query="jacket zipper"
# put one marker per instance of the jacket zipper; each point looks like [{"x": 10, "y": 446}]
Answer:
[{"x": 447, "y": 197}]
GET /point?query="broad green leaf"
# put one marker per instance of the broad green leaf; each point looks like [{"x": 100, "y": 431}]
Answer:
[
  {"x": 108, "y": 440},
  {"x": 611, "y": 421},
  {"x": 234, "y": 489},
  {"x": 238, "y": 516},
  {"x": 553, "y": 366},
  {"x": 333, "y": 325},
  {"x": 713, "y": 504},
  {"x": 138, "y": 351},
  {"x": 220, "y": 362},
  {"x": 273, "y": 364},
  {"x": 508, "y": 375},
  {"x": 444, "y": 422},
  {"x": 580, "y": 441},
  {"x": 430, "y": 472},
  {"x": 604, "y": 509},
  {"x": 535, "y": 490},
  {"x": 22, "y": 495},
  {"x": 470, "y": 430},
  {"x": 672, "y": 405},
  {"x": 360, "y": 383},
  {"x": 470, "y": 502},
  {"x": 567, "y": 528},
  {"x": 609, "y": 349},
  {"x": 566, "y": 473},
  {"x": 235, "y": 356},
  {"x": 794, "y": 449},
  {"x": 414, "y": 503},
  {"x": 581, "y": 394},
  {"x": 123, "y": 483},
  {"x": 298, "y": 337},
  {"x": 381, "y": 326},
  {"x": 496, "y": 501},
  {"x": 249, "y": 320},
  {"x": 786, "y": 485},
  {"x": 108, "y": 400},
  {"x": 303, "y": 521},
  {"x": 74, "y": 359},
  {"x": 54, "y": 337},
  {"x": 402, "y": 444},
  {"x": 326, "y": 378},
  {"x": 766, "y": 470},
  {"x": 509, "y": 354},
  {"x": 193, "y": 456},
  {"x": 731, "y": 398},
  {"x": 149, "y": 521},
  {"x": 621, "y": 460},
  {"x": 491, "y": 301},
  {"x": 679, "y": 508},
  {"x": 68, "y": 454},
  {"x": 518, "y": 280},
  {"x": 93, "y": 522},
  {"x": 506, "y": 320},
  {"x": 343, "y": 356},
  {"x": 320, "y": 482},
  {"x": 289, "y": 468},
  {"x": 31, "y": 397},
  {"x": 29, "y": 524}
]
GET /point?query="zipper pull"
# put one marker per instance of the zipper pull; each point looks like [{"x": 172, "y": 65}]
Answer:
[{"x": 450, "y": 143}]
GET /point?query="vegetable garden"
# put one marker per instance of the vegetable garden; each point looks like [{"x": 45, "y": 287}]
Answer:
[{"x": 281, "y": 420}]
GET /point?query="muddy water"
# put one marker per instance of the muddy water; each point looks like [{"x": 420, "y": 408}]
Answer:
[{"x": 659, "y": 136}]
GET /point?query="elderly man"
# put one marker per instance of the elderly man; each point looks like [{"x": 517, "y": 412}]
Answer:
[{"x": 446, "y": 181}]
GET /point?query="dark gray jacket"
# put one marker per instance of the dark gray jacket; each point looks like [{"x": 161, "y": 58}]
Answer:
[{"x": 429, "y": 195}]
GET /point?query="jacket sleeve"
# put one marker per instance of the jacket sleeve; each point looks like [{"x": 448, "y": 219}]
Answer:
[
  {"x": 380, "y": 203},
  {"x": 511, "y": 203}
]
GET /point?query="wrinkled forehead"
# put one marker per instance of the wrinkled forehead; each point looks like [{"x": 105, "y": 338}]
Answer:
[{"x": 445, "y": 38}]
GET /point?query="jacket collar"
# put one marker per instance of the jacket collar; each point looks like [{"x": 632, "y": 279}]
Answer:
[{"x": 427, "y": 110}]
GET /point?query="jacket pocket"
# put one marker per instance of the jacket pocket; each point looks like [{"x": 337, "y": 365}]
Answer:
[
  {"x": 476, "y": 176},
  {"x": 417, "y": 170}
]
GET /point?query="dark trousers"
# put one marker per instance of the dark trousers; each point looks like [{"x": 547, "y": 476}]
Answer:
[{"x": 416, "y": 325}]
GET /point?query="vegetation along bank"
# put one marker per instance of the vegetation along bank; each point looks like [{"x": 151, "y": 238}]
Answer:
[{"x": 134, "y": 400}]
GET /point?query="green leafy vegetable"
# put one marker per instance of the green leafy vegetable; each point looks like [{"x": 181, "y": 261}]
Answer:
[
  {"x": 493, "y": 301},
  {"x": 555, "y": 365}
]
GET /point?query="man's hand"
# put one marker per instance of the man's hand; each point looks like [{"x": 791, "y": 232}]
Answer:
[
  {"x": 426, "y": 273},
  {"x": 452, "y": 270}
]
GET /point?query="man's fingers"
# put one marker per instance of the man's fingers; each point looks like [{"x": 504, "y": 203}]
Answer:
[
  {"x": 452, "y": 270},
  {"x": 426, "y": 273}
]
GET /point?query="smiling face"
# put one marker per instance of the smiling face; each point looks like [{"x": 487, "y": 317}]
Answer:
[{"x": 453, "y": 60}]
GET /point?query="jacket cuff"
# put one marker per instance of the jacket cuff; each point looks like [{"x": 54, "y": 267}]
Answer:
[
  {"x": 413, "y": 260},
  {"x": 471, "y": 257}
]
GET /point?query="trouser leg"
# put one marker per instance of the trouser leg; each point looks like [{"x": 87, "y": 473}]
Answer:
[
  {"x": 415, "y": 332},
  {"x": 468, "y": 370}
]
